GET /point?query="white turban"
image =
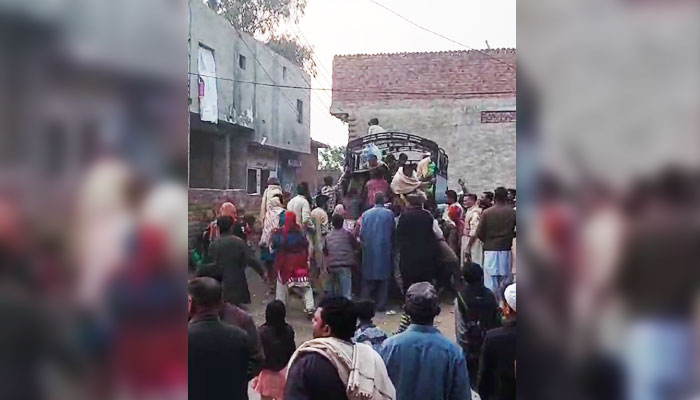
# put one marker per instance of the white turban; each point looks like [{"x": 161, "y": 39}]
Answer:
[{"x": 510, "y": 296}]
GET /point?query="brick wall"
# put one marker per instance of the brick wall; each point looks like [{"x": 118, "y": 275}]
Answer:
[{"x": 454, "y": 74}]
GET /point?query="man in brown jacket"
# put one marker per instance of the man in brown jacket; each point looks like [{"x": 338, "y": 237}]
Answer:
[{"x": 497, "y": 230}]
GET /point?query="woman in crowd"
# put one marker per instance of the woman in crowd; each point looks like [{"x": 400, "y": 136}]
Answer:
[
  {"x": 270, "y": 222},
  {"x": 277, "y": 338},
  {"x": 292, "y": 261}
]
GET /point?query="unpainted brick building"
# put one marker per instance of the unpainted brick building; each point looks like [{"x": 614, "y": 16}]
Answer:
[{"x": 463, "y": 100}]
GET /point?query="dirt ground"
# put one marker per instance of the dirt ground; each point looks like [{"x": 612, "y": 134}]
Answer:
[{"x": 302, "y": 326}]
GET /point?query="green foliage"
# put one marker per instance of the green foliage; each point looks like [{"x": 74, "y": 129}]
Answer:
[
  {"x": 259, "y": 16},
  {"x": 332, "y": 158},
  {"x": 262, "y": 17},
  {"x": 296, "y": 52}
]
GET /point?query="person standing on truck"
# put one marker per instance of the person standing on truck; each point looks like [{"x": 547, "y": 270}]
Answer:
[{"x": 374, "y": 127}]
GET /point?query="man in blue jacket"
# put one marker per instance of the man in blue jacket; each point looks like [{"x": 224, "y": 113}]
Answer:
[
  {"x": 422, "y": 363},
  {"x": 377, "y": 236}
]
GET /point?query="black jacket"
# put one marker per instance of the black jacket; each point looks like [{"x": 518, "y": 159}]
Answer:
[
  {"x": 278, "y": 346},
  {"x": 313, "y": 377},
  {"x": 417, "y": 245},
  {"x": 221, "y": 360},
  {"x": 496, "y": 379},
  {"x": 232, "y": 255}
]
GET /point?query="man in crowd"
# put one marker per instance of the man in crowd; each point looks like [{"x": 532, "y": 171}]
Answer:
[
  {"x": 497, "y": 230},
  {"x": 417, "y": 243},
  {"x": 511, "y": 197},
  {"x": 476, "y": 312},
  {"x": 331, "y": 192},
  {"x": 300, "y": 206},
  {"x": 377, "y": 237},
  {"x": 231, "y": 255},
  {"x": 486, "y": 200},
  {"x": 234, "y": 315},
  {"x": 331, "y": 367},
  {"x": 473, "y": 247},
  {"x": 221, "y": 359},
  {"x": 451, "y": 200},
  {"x": 319, "y": 219},
  {"x": 422, "y": 363},
  {"x": 496, "y": 379}
]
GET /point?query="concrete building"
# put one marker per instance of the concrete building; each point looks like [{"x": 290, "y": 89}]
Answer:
[
  {"x": 463, "y": 100},
  {"x": 261, "y": 108}
]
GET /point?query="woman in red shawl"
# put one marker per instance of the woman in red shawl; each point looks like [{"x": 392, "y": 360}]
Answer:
[{"x": 292, "y": 261}]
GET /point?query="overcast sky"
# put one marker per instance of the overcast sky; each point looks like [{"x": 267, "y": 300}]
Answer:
[{"x": 359, "y": 26}]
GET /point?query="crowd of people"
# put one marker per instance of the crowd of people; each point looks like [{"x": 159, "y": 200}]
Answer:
[{"x": 347, "y": 247}]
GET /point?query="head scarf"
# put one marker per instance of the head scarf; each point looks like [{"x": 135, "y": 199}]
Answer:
[
  {"x": 275, "y": 313},
  {"x": 228, "y": 209},
  {"x": 290, "y": 223}
]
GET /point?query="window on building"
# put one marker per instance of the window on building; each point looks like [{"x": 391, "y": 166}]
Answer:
[
  {"x": 257, "y": 180},
  {"x": 241, "y": 61},
  {"x": 300, "y": 111},
  {"x": 284, "y": 73},
  {"x": 253, "y": 186}
]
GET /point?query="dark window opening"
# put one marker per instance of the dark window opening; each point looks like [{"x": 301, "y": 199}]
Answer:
[
  {"x": 241, "y": 61},
  {"x": 264, "y": 176},
  {"x": 284, "y": 73},
  {"x": 252, "y": 187},
  {"x": 300, "y": 111}
]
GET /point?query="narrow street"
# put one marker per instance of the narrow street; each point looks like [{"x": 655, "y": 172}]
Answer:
[{"x": 302, "y": 325}]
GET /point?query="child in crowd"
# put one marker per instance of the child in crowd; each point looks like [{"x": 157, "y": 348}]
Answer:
[
  {"x": 339, "y": 249},
  {"x": 367, "y": 332},
  {"x": 277, "y": 340}
]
